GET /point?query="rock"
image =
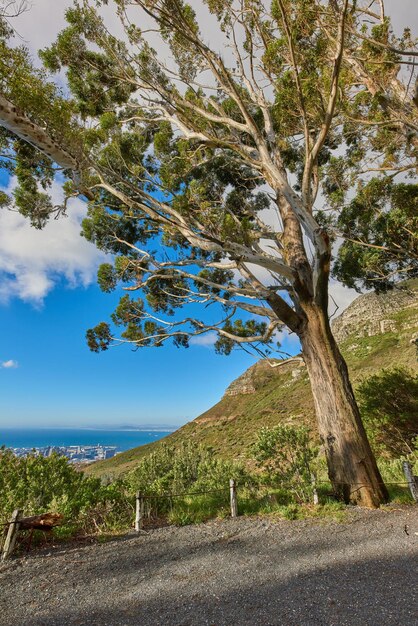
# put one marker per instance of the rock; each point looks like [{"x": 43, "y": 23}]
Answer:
[
  {"x": 244, "y": 384},
  {"x": 263, "y": 371},
  {"x": 371, "y": 313}
]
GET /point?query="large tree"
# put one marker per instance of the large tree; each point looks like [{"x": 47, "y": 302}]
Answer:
[{"x": 221, "y": 178}]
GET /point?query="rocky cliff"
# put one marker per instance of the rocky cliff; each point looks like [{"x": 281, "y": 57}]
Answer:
[
  {"x": 372, "y": 314},
  {"x": 261, "y": 373},
  {"x": 369, "y": 315}
]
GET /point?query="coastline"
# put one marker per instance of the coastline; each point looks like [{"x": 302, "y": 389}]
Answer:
[{"x": 121, "y": 439}]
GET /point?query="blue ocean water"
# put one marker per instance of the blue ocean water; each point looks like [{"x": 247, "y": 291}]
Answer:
[{"x": 42, "y": 437}]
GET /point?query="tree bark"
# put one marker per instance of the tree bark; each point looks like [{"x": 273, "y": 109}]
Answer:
[
  {"x": 18, "y": 123},
  {"x": 352, "y": 467}
]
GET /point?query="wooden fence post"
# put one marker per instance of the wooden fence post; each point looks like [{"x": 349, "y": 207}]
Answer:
[
  {"x": 10, "y": 541},
  {"x": 139, "y": 512},
  {"x": 314, "y": 489},
  {"x": 412, "y": 480},
  {"x": 233, "y": 497}
]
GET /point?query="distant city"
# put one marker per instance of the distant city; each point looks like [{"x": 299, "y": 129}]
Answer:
[{"x": 75, "y": 454}]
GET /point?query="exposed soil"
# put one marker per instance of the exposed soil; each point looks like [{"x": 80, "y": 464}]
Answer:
[{"x": 244, "y": 571}]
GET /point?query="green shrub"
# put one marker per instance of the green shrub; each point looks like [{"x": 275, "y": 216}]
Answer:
[
  {"x": 198, "y": 509},
  {"x": 286, "y": 456},
  {"x": 37, "y": 485},
  {"x": 182, "y": 470},
  {"x": 394, "y": 477},
  {"x": 179, "y": 469},
  {"x": 388, "y": 403}
]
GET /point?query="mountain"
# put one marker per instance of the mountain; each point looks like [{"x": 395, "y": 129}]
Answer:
[{"x": 376, "y": 331}]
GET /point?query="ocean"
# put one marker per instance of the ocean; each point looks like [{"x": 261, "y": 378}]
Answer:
[{"x": 42, "y": 437}]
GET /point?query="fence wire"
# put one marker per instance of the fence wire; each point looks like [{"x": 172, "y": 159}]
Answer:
[{"x": 255, "y": 486}]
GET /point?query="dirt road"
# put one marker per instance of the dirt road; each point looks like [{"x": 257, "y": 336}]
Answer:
[{"x": 247, "y": 571}]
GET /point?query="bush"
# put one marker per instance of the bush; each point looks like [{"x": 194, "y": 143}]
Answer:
[
  {"x": 178, "y": 469},
  {"x": 286, "y": 456},
  {"x": 37, "y": 484},
  {"x": 181, "y": 470},
  {"x": 393, "y": 474},
  {"x": 388, "y": 404}
]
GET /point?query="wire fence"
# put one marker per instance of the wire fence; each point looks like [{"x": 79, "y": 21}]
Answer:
[
  {"x": 263, "y": 490},
  {"x": 147, "y": 496},
  {"x": 145, "y": 503},
  {"x": 255, "y": 486},
  {"x": 258, "y": 490}
]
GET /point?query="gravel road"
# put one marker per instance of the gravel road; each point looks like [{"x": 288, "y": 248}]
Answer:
[{"x": 244, "y": 571}]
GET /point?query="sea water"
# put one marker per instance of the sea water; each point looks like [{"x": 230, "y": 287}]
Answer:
[{"x": 62, "y": 437}]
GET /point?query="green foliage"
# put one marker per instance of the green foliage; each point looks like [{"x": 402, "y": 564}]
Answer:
[
  {"x": 388, "y": 403},
  {"x": 37, "y": 484},
  {"x": 90, "y": 74},
  {"x": 32, "y": 171},
  {"x": 179, "y": 169},
  {"x": 238, "y": 328},
  {"x": 99, "y": 337},
  {"x": 31, "y": 91},
  {"x": 171, "y": 472},
  {"x": 184, "y": 484},
  {"x": 287, "y": 456},
  {"x": 393, "y": 474},
  {"x": 384, "y": 217},
  {"x": 198, "y": 509},
  {"x": 106, "y": 277},
  {"x": 181, "y": 469}
]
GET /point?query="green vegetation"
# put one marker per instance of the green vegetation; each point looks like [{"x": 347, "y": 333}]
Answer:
[
  {"x": 286, "y": 454},
  {"x": 389, "y": 405},
  {"x": 177, "y": 470},
  {"x": 179, "y": 177},
  {"x": 183, "y": 485},
  {"x": 37, "y": 485}
]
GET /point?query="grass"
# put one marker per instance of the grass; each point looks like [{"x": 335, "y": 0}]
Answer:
[
  {"x": 277, "y": 503},
  {"x": 198, "y": 509}
]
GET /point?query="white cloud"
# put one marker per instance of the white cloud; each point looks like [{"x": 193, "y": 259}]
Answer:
[
  {"x": 33, "y": 261},
  {"x": 207, "y": 340},
  {"x": 10, "y": 364}
]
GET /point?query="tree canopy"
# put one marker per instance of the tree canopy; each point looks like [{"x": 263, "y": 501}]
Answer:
[{"x": 183, "y": 158}]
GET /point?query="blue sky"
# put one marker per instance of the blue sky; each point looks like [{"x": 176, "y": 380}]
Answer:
[
  {"x": 48, "y": 376},
  {"x": 58, "y": 381}
]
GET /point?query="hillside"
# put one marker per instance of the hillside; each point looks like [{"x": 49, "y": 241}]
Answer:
[{"x": 374, "y": 332}]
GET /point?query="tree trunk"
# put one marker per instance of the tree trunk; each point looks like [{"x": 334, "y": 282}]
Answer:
[{"x": 352, "y": 467}]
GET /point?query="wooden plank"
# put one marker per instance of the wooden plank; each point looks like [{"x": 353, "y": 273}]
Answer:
[
  {"x": 233, "y": 498},
  {"x": 45, "y": 521},
  {"x": 10, "y": 541}
]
